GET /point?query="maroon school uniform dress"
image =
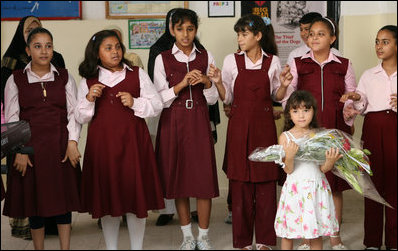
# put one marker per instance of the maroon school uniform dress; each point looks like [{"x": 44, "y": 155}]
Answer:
[
  {"x": 327, "y": 93},
  {"x": 184, "y": 143},
  {"x": 50, "y": 187},
  {"x": 252, "y": 125},
  {"x": 379, "y": 134},
  {"x": 119, "y": 171}
]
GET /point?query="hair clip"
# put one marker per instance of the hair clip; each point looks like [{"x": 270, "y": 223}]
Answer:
[
  {"x": 93, "y": 38},
  {"x": 267, "y": 21},
  {"x": 251, "y": 23}
]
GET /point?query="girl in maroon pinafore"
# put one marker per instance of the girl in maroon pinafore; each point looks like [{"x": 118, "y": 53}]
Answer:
[
  {"x": 250, "y": 81},
  {"x": 184, "y": 144},
  {"x": 49, "y": 186},
  {"x": 119, "y": 170}
]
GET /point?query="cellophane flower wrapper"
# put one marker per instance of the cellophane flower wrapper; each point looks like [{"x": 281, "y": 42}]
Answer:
[{"x": 353, "y": 167}]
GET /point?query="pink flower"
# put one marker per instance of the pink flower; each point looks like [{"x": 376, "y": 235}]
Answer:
[
  {"x": 315, "y": 231},
  {"x": 305, "y": 227},
  {"x": 294, "y": 188},
  {"x": 324, "y": 184},
  {"x": 346, "y": 144}
]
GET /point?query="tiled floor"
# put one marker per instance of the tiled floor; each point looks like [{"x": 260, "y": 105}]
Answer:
[{"x": 86, "y": 234}]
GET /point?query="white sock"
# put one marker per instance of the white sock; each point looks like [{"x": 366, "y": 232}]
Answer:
[
  {"x": 187, "y": 230},
  {"x": 202, "y": 232},
  {"x": 110, "y": 230},
  {"x": 136, "y": 228}
]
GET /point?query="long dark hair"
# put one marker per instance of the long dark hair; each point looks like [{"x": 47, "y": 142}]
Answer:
[
  {"x": 164, "y": 43},
  {"x": 256, "y": 24},
  {"x": 392, "y": 29},
  {"x": 296, "y": 100},
  {"x": 88, "y": 68}
]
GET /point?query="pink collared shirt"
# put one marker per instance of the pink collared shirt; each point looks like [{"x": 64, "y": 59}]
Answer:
[
  {"x": 349, "y": 79},
  {"x": 230, "y": 73},
  {"x": 304, "y": 49},
  {"x": 162, "y": 85},
  {"x": 149, "y": 103},
  {"x": 375, "y": 88},
  {"x": 11, "y": 102}
]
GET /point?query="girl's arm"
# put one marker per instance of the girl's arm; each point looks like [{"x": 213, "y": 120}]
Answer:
[
  {"x": 215, "y": 75},
  {"x": 11, "y": 113},
  {"x": 84, "y": 110},
  {"x": 71, "y": 100},
  {"x": 11, "y": 101},
  {"x": 149, "y": 104},
  {"x": 210, "y": 91},
  {"x": 167, "y": 94},
  {"x": 290, "y": 149},
  {"x": 332, "y": 155},
  {"x": 227, "y": 74}
]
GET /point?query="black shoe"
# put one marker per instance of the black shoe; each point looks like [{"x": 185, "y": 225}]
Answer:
[
  {"x": 195, "y": 217},
  {"x": 164, "y": 219}
]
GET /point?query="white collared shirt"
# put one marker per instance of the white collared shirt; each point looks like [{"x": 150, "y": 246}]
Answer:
[
  {"x": 11, "y": 102},
  {"x": 149, "y": 103},
  {"x": 230, "y": 73},
  {"x": 162, "y": 85}
]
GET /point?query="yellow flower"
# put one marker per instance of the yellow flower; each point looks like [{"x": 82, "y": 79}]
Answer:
[{"x": 309, "y": 196}]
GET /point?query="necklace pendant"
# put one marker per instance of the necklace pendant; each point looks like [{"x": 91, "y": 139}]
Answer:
[{"x": 45, "y": 93}]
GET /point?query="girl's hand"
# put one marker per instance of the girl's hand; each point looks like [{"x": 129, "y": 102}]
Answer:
[
  {"x": 21, "y": 161},
  {"x": 286, "y": 77},
  {"x": 214, "y": 74},
  {"x": 94, "y": 92},
  {"x": 332, "y": 155},
  {"x": 350, "y": 95},
  {"x": 196, "y": 77},
  {"x": 72, "y": 153},
  {"x": 290, "y": 149},
  {"x": 349, "y": 112},
  {"x": 393, "y": 101},
  {"x": 126, "y": 99},
  {"x": 277, "y": 114},
  {"x": 227, "y": 110}
]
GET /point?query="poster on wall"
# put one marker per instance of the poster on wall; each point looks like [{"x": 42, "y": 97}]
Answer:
[
  {"x": 144, "y": 33},
  {"x": 45, "y": 10},
  {"x": 285, "y": 16},
  {"x": 260, "y": 8}
]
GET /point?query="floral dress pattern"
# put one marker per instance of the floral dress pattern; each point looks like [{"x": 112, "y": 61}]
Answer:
[{"x": 306, "y": 208}]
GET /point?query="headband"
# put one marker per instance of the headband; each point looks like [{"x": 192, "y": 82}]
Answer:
[{"x": 330, "y": 21}]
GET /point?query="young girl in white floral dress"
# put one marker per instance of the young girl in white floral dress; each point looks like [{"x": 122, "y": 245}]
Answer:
[{"x": 306, "y": 208}]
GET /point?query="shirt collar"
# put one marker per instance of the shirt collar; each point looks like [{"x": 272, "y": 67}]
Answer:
[
  {"x": 106, "y": 70},
  {"x": 331, "y": 57},
  {"x": 175, "y": 49},
  {"x": 28, "y": 68},
  {"x": 244, "y": 53},
  {"x": 379, "y": 68}
]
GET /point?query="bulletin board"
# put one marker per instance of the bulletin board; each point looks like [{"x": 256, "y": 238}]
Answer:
[{"x": 44, "y": 10}]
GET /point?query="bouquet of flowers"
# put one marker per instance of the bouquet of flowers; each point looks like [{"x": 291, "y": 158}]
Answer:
[{"x": 354, "y": 166}]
